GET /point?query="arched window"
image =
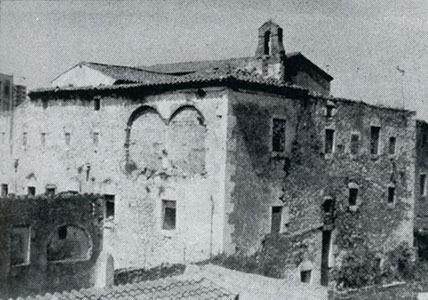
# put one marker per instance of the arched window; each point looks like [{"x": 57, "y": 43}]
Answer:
[
  {"x": 69, "y": 243},
  {"x": 267, "y": 43}
]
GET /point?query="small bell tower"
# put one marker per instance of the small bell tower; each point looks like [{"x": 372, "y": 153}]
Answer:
[{"x": 270, "y": 51}]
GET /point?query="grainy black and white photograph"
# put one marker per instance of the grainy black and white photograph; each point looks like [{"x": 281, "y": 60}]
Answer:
[{"x": 204, "y": 150}]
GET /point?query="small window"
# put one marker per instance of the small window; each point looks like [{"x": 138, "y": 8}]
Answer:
[
  {"x": 353, "y": 196},
  {"x": 6, "y": 90},
  {"x": 43, "y": 138},
  {"x": 97, "y": 104},
  {"x": 391, "y": 147},
  {"x": 109, "y": 208},
  {"x": 329, "y": 141},
  {"x": 267, "y": 44},
  {"x": 391, "y": 195},
  {"x": 168, "y": 214},
  {"x": 355, "y": 143},
  {"x": 31, "y": 191},
  {"x": 374, "y": 139},
  {"x": 422, "y": 184},
  {"x": 305, "y": 276},
  {"x": 3, "y": 137},
  {"x": 96, "y": 138},
  {"x": 4, "y": 190},
  {"x": 329, "y": 110},
  {"x": 276, "y": 219},
  {"x": 62, "y": 232},
  {"x": 278, "y": 135},
  {"x": 50, "y": 190},
  {"x": 45, "y": 104},
  {"x": 67, "y": 138},
  {"x": 69, "y": 243},
  {"x": 20, "y": 245},
  {"x": 24, "y": 139}
]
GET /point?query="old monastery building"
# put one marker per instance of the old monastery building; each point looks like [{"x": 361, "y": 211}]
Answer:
[{"x": 185, "y": 161}]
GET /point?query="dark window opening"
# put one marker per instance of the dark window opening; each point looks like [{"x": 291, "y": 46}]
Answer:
[
  {"x": 329, "y": 140},
  {"x": 24, "y": 139},
  {"x": 96, "y": 138},
  {"x": 374, "y": 139},
  {"x": 169, "y": 214},
  {"x": 50, "y": 190},
  {"x": 278, "y": 135},
  {"x": 355, "y": 143},
  {"x": 4, "y": 190},
  {"x": 62, "y": 232},
  {"x": 276, "y": 219},
  {"x": 109, "y": 213},
  {"x": 305, "y": 276},
  {"x": 328, "y": 206},
  {"x": 31, "y": 191},
  {"x": 7, "y": 90},
  {"x": 391, "y": 195},
  {"x": 267, "y": 43},
  {"x": 45, "y": 104},
  {"x": 97, "y": 104},
  {"x": 329, "y": 111},
  {"x": 280, "y": 34},
  {"x": 67, "y": 138},
  {"x": 43, "y": 138},
  {"x": 391, "y": 148},
  {"x": 353, "y": 195},
  {"x": 20, "y": 245},
  {"x": 422, "y": 184}
]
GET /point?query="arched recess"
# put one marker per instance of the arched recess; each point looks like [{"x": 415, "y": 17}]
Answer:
[
  {"x": 69, "y": 243},
  {"x": 187, "y": 134},
  {"x": 146, "y": 138}
]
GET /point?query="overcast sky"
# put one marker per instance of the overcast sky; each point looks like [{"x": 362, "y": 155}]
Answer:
[{"x": 376, "y": 50}]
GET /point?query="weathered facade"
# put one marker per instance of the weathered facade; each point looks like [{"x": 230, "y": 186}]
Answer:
[
  {"x": 49, "y": 243},
  {"x": 205, "y": 158}
]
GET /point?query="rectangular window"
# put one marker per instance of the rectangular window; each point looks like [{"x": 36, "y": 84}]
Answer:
[
  {"x": 31, "y": 191},
  {"x": 305, "y": 276},
  {"x": 278, "y": 135},
  {"x": 4, "y": 190},
  {"x": 109, "y": 208},
  {"x": 3, "y": 137},
  {"x": 355, "y": 143},
  {"x": 329, "y": 141},
  {"x": 96, "y": 138},
  {"x": 24, "y": 139},
  {"x": 329, "y": 111},
  {"x": 422, "y": 184},
  {"x": 97, "y": 104},
  {"x": 391, "y": 147},
  {"x": 391, "y": 195},
  {"x": 276, "y": 219},
  {"x": 168, "y": 214},
  {"x": 353, "y": 195},
  {"x": 50, "y": 189},
  {"x": 43, "y": 138},
  {"x": 374, "y": 139},
  {"x": 67, "y": 138},
  {"x": 45, "y": 104},
  {"x": 20, "y": 245}
]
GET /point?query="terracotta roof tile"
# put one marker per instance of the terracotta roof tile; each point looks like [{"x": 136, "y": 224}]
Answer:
[{"x": 168, "y": 288}]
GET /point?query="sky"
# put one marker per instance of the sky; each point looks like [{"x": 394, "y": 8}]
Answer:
[{"x": 376, "y": 50}]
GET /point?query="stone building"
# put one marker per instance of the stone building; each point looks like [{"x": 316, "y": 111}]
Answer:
[{"x": 202, "y": 158}]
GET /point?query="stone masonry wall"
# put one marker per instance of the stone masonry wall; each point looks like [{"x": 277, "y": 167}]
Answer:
[
  {"x": 40, "y": 270},
  {"x": 306, "y": 176},
  {"x": 141, "y": 149}
]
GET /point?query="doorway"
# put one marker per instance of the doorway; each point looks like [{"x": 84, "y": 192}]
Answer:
[{"x": 325, "y": 255}]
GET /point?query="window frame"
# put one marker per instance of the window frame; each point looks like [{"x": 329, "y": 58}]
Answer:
[
  {"x": 164, "y": 206},
  {"x": 423, "y": 190},
  {"x": 333, "y": 141},
  {"x": 379, "y": 138},
  {"x": 27, "y": 259},
  {"x": 392, "y": 138},
  {"x": 272, "y": 126}
]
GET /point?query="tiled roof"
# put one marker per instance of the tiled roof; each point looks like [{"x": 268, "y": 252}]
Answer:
[
  {"x": 168, "y": 288},
  {"x": 194, "y": 66},
  {"x": 126, "y": 74},
  {"x": 215, "y": 75}
]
